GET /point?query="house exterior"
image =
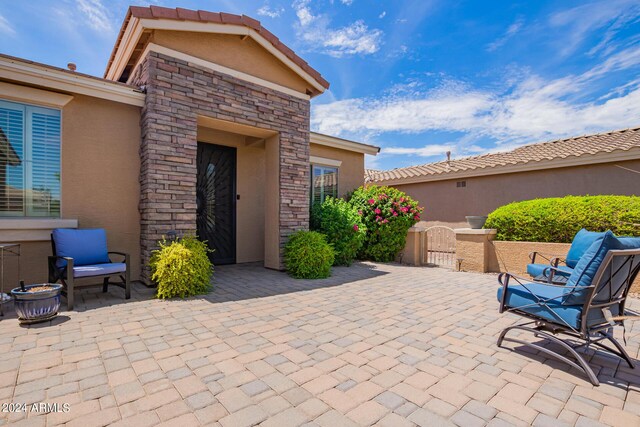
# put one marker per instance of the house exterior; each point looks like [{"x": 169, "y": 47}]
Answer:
[
  {"x": 199, "y": 125},
  {"x": 605, "y": 163}
]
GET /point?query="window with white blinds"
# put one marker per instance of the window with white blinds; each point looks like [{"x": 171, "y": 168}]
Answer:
[
  {"x": 29, "y": 160},
  {"x": 324, "y": 183}
]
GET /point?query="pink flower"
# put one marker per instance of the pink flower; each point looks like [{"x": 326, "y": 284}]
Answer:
[
  {"x": 378, "y": 211},
  {"x": 371, "y": 201},
  {"x": 404, "y": 209},
  {"x": 360, "y": 213},
  {"x": 395, "y": 214},
  {"x": 402, "y": 199},
  {"x": 391, "y": 210},
  {"x": 355, "y": 227},
  {"x": 417, "y": 218},
  {"x": 378, "y": 218},
  {"x": 385, "y": 221}
]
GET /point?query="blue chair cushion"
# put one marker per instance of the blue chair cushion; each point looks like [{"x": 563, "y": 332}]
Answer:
[
  {"x": 525, "y": 299},
  {"x": 535, "y": 270},
  {"x": 585, "y": 271},
  {"x": 581, "y": 242},
  {"x": 519, "y": 296},
  {"x": 99, "y": 269},
  {"x": 86, "y": 246},
  {"x": 629, "y": 242}
]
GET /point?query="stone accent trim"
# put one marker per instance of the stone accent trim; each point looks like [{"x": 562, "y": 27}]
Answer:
[{"x": 177, "y": 93}]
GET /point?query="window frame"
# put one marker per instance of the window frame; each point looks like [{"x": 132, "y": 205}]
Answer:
[
  {"x": 324, "y": 168},
  {"x": 28, "y": 109}
]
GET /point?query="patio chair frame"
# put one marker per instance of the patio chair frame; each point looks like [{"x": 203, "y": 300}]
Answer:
[
  {"x": 594, "y": 334},
  {"x": 68, "y": 281}
]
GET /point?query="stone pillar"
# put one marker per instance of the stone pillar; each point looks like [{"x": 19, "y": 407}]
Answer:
[
  {"x": 473, "y": 248},
  {"x": 415, "y": 246}
]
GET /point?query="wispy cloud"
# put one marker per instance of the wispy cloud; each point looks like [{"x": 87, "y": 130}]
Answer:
[
  {"x": 5, "y": 27},
  {"x": 316, "y": 32},
  {"x": 511, "y": 31},
  {"x": 96, "y": 15},
  {"x": 347, "y": 2},
  {"x": 266, "y": 10},
  {"x": 580, "y": 22},
  {"x": 531, "y": 109}
]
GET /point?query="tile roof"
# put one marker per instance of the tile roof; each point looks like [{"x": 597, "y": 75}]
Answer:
[
  {"x": 369, "y": 173},
  {"x": 180, "y": 14},
  {"x": 542, "y": 154}
]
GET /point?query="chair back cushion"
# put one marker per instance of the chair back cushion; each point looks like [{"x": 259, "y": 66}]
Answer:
[
  {"x": 581, "y": 242},
  {"x": 585, "y": 271},
  {"x": 85, "y": 246}
]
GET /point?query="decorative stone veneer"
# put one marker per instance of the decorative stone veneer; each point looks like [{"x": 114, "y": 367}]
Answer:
[{"x": 177, "y": 92}]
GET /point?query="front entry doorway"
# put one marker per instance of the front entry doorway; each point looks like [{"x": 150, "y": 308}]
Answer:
[{"x": 216, "y": 201}]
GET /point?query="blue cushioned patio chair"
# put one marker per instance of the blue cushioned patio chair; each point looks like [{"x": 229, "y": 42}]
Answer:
[
  {"x": 585, "y": 309},
  {"x": 81, "y": 254},
  {"x": 581, "y": 242}
]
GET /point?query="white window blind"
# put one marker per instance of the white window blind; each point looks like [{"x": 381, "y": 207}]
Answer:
[{"x": 29, "y": 160}]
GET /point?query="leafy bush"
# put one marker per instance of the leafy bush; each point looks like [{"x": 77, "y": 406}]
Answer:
[
  {"x": 558, "y": 219},
  {"x": 387, "y": 213},
  {"x": 181, "y": 268},
  {"x": 340, "y": 222},
  {"x": 307, "y": 255}
]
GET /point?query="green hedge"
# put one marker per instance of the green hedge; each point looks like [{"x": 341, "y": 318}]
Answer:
[
  {"x": 340, "y": 222},
  {"x": 558, "y": 219}
]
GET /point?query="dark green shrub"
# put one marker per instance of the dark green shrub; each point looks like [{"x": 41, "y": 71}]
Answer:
[
  {"x": 181, "y": 268},
  {"x": 340, "y": 222},
  {"x": 307, "y": 255},
  {"x": 558, "y": 219},
  {"x": 387, "y": 213}
]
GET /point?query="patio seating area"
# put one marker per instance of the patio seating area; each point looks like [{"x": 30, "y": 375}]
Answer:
[{"x": 377, "y": 344}]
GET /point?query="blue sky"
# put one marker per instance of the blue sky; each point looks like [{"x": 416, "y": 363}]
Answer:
[{"x": 416, "y": 77}]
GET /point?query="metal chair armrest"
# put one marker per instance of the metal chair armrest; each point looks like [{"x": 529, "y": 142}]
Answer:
[{"x": 124, "y": 254}]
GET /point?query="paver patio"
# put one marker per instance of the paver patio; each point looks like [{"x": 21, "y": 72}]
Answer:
[{"x": 375, "y": 344}]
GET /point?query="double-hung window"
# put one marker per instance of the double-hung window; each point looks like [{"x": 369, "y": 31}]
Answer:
[
  {"x": 29, "y": 161},
  {"x": 324, "y": 183}
]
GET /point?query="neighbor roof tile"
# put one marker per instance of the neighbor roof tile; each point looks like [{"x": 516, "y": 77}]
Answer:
[{"x": 544, "y": 152}]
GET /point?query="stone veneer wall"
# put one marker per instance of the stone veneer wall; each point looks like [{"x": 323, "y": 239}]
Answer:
[{"x": 177, "y": 92}]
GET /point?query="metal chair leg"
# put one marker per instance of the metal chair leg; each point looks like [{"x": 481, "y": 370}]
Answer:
[
  {"x": 583, "y": 366},
  {"x": 105, "y": 284}
]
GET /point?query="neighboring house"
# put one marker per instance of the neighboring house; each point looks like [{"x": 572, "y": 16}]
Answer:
[
  {"x": 605, "y": 163},
  {"x": 200, "y": 125}
]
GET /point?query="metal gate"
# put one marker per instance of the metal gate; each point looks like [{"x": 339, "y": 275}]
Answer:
[{"x": 440, "y": 247}]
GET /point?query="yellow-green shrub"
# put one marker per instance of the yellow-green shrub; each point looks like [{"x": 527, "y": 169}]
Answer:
[
  {"x": 558, "y": 219},
  {"x": 307, "y": 255},
  {"x": 181, "y": 268}
]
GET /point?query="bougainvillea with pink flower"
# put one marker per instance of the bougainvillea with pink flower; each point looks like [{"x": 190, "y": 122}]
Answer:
[
  {"x": 343, "y": 226},
  {"x": 387, "y": 213}
]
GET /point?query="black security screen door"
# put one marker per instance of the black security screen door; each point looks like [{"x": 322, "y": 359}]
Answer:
[{"x": 216, "y": 201}]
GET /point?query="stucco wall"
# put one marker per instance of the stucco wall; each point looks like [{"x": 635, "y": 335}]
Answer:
[
  {"x": 351, "y": 171},
  {"x": 444, "y": 202},
  {"x": 250, "y": 186},
  {"x": 231, "y": 51},
  {"x": 99, "y": 180}
]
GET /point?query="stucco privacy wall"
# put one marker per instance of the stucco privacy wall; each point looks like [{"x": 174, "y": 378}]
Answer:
[
  {"x": 99, "y": 180},
  {"x": 233, "y": 52},
  {"x": 447, "y": 203},
  {"x": 250, "y": 186},
  {"x": 350, "y": 172},
  {"x": 177, "y": 93}
]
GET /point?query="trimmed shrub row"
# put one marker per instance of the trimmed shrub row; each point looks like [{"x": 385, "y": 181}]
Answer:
[{"x": 558, "y": 219}]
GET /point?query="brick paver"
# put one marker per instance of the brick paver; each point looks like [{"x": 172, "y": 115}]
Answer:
[{"x": 376, "y": 344}]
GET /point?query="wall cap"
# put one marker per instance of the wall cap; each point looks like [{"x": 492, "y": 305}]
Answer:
[
  {"x": 480, "y": 231},
  {"x": 32, "y": 229}
]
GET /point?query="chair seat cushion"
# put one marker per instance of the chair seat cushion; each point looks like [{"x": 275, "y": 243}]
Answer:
[
  {"x": 99, "y": 269},
  {"x": 535, "y": 270},
  {"x": 526, "y": 300},
  {"x": 85, "y": 246}
]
